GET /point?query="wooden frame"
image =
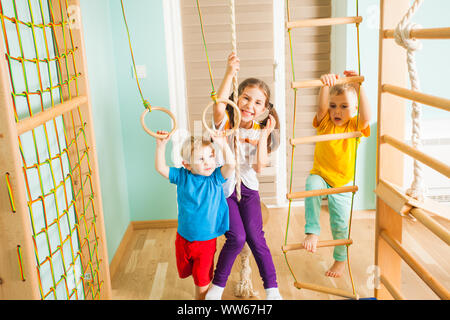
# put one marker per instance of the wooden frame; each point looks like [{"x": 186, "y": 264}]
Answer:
[
  {"x": 396, "y": 294},
  {"x": 320, "y": 244},
  {"x": 317, "y": 83},
  {"x": 389, "y": 251},
  {"x": 321, "y": 192},
  {"x": 426, "y": 276},
  {"x": 391, "y": 115},
  {"x": 416, "y": 154},
  {"x": 431, "y": 224},
  {"x": 401, "y": 203},
  {"x": 432, "y": 33},
  {"x": 433, "y": 101},
  {"x": 333, "y": 291},
  {"x": 322, "y": 22},
  {"x": 19, "y": 275},
  {"x": 49, "y": 114},
  {"x": 325, "y": 137}
]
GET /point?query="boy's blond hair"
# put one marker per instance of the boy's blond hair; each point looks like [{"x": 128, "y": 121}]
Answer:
[
  {"x": 191, "y": 144},
  {"x": 339, "y": 89}
]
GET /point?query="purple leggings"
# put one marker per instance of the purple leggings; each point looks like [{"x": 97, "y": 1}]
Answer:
[{"x": 245, "y": 225}]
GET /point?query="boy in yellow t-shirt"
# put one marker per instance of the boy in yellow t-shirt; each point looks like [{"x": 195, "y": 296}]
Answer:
[{"x": 334, "y": 161}]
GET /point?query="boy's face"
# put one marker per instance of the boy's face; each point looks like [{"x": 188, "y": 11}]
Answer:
[
  {"x": 203, "y": 161},
  {"x": 342, "y": 107}
]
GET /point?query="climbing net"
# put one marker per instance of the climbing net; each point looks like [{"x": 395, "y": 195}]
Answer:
[{"x": 41, "y": 57}]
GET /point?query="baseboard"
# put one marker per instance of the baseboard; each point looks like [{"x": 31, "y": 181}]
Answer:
[
  {"x": 114, "y": 265},
  {"x": 136, "y": 225},
  {"x": 154, "y": 224}
]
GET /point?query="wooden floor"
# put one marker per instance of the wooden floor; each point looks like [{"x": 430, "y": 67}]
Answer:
[{"x": 148, "y": 269}]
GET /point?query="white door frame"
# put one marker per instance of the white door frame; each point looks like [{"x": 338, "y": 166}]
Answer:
[{"x": 176, "y": 73}]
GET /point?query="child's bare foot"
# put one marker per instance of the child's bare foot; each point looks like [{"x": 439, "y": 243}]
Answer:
[
  {"x": 310, "y": 242},
  {"x": 336, "y": 270}
]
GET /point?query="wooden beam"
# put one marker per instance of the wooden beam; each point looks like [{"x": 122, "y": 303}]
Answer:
[
  {"x": 433, "y": 101},
  {"x": 321, "y": 192},
  {"x": 154, "y": 224},
  {"x": 391, "y": 113},
  {"x": 392, "y": 197},
  {"x": 424, "y": 274},
  {"x": 419, "y": 33},
  {"x": 49, "y": 114},
  {"x": 333, "y": 291},
  {"x": 320, "y": 244},
  {"x": 322, "y": 22},
  {"x": 391, "y": 288},
  {"x": 401, "y": 203},
  {"x": 431, "y": 224},
  {"x": 418, "y": 155},
  {"x": 325, "y": 137},
  {"x": 318, "y": 83}
]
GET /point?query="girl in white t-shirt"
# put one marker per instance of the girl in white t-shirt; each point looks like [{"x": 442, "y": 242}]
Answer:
[{"x": 258, "y": 136}]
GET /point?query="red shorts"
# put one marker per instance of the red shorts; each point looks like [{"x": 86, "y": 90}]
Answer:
[{"x": 195, "y": 258}]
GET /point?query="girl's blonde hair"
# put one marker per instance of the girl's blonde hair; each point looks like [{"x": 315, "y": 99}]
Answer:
[{"x": 191, "y": 144}]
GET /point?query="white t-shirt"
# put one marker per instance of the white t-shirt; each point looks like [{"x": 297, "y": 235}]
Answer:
[{"x": 248, "y": 156}]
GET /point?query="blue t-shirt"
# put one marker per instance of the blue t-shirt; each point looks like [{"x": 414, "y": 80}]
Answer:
[{"x": 202, "y": 207}]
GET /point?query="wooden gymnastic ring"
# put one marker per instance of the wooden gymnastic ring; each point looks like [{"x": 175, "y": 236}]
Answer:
[
  {"x": 153, "y": 134},
  {"x": 227, "y": 132}
]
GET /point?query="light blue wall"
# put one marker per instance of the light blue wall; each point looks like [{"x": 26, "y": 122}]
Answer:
[
  {"x": 151, "y": 197},
  {"x": 101, "y": 62},
  {"x": 131, "y": 189}
]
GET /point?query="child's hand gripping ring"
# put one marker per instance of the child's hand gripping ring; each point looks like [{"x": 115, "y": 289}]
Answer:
[
  {"x": 229, "y": 132},
  {"x": 153, "y": 134}
]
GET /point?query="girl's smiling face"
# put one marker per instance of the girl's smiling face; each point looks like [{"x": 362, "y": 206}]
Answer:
[{"x": 252, "y": 102}]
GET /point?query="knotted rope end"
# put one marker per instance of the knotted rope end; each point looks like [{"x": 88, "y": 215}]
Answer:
[
  {"x": 214, "y": 96},
  {"x": 147, "y": 105}
]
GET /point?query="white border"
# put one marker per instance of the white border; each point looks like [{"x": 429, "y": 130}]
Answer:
[
  {"x": 175, "y": 69},
  {"x": 279, "y": 74}
]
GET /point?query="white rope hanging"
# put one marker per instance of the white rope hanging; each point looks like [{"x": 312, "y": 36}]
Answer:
[
  {"x": 237, "y": 147},
  {"x": 402, "y": 37},
  {"x": 244, "y": 287}
]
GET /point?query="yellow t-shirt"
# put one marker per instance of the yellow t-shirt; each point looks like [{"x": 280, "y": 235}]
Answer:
[{"x": 334, "y": 160}]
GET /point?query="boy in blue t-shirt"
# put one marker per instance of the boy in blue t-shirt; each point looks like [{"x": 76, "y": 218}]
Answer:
[{"x": 202, "y": 207}]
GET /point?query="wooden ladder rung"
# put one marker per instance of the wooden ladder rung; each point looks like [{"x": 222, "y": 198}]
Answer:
[
  {"x": 320, "y": 244},
  {"x": 322, "y": 22},
  {"x": 318, "y": 83},
  {"x": 320, "y": 192},
  {"x": 419, "y": 33},
  {"x": 418, "y": 268},
  {"x": 403, "y": 204},
  {"x": 432, "y": 101},
  {"x": 325, "y": 137},
  {"x": 333, "y": 291},
  {"x": 417, "y": 154},
  {"x": 49, "y": 114}
]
